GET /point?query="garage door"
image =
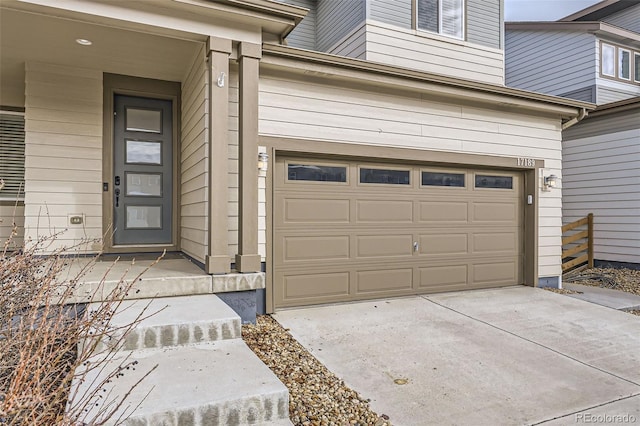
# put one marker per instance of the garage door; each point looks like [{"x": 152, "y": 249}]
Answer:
[{"x": 353, "y": 230}]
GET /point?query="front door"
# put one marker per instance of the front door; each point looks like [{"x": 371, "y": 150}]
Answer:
[{"x": 142, "y": 171}]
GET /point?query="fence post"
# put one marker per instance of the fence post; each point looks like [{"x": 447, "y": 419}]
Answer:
[{"x": 590, "y": 239}]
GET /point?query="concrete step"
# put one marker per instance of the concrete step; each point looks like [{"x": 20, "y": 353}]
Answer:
[
  {"x": 212, "y": 383},
  {"x": 173, "y": 321}
]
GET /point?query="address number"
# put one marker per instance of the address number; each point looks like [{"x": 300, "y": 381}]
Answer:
[{"x": 526, "y": 162}]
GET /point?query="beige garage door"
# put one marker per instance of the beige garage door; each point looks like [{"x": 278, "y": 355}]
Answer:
[{"x": 354, "y": 230}]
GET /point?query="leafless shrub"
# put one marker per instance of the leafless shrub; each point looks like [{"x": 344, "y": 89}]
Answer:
[{"x": 50, "y": 337}]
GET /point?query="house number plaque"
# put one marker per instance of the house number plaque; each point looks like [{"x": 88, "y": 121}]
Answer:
[{"x": 526, "y": 162}]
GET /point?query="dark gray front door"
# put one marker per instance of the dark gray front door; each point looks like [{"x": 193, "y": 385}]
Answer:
[{"x": 142, "y": 171}]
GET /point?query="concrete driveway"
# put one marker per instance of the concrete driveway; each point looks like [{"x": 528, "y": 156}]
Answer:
[{"x": 508, "y": 356}]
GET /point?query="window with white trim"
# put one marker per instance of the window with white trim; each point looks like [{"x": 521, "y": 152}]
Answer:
[
  {"x": 619, "y": 63},
  {"x": 445, "y": 17},
  {"x": 12, "y": 154}
]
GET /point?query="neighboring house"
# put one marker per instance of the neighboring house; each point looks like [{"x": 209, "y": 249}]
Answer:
[
  {"x": 601, "y": 176},
  {"x": 403, "y": 166},
  {"x": 592, "y": 55}
]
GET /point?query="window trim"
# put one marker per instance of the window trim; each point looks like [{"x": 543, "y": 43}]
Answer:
[
  {"x": 13, "y": 197},
  {"x": 414, "y": 21},
  {"x": 634, "y": 56}
]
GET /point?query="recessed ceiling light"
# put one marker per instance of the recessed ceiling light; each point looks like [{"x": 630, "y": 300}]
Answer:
[{"x": 84, "y": 42}]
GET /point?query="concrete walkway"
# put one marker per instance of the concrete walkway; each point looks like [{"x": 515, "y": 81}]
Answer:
[
  {"x": 509, "y": 356},
  {"x": 608, "y": 297}
]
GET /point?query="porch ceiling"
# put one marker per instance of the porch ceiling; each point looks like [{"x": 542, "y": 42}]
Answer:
[{"x": 28, "y": 36}]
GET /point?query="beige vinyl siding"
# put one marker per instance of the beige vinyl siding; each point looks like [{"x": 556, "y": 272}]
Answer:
[
  {"x": 354, "y": 45},
  {"x": 435, "y": 54},
  {"x": 601, "y": 176},
  {"x": 10, "y": 213},
  {"x": 552, "y": 62},
  {"x": 63, "y": 150},
  {"x": 316, "y": 109},
  {"x": 194, "y": 160}
]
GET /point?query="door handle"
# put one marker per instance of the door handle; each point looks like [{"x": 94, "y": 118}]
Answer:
[
  {"x": 117, "y": 192},
  {"x": 416, "y": 246}
]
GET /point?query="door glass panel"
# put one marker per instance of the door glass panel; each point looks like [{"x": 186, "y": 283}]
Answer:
[
  {"x": 313, "y": 172},
  {"x": 624, "y": 64},
  {"x": 395, "y": 177},
  {"x": 141, "y": 152},
  {"x": 499, "y": 182},
  {"x": 608, "y": 60},
  {"x": 144, "y": 217},
  {"x": 443, "y": 179},
  {"x": 144, "y": 184},
  {"x": 144, "y": 120}
]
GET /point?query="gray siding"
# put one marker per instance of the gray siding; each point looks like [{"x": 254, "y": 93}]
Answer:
[
  {"x": 552, "y": 62},
  {"x": 353, "y": 46},
  {"x": 588, "y": 94},
  {"x": 394, "y": 12},
  {"x": 335, "y": 20},
  {"x": 628, "y": 18},
  {"x": 304, "y": 35},
  {"x": 601, "y": 176},
  {"x": 602, "y": 125},
  {"x": 483, "y": 22},
  {"x": 607, "y": 95}
]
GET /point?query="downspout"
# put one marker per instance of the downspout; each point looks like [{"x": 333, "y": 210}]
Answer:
[{"x": 575, "y": 120}]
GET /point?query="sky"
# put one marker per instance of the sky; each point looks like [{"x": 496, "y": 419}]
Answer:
[{"x": 543, "y": 10}]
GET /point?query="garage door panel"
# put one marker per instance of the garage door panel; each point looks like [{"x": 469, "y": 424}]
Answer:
[
  {"x": 384, "y": 211},
  {"x": 444, "y": 244},
  {"x": 496, "y": 211},
  {"x": 383, "y": 280},
  {"x": 384, "y": 245},
  {"x": 315, "y": 247},
  {"x": 491, "y": 243},
  {"x": 313, "y": 286},
  {"x": 314, "y": 210},
  {"x": 431, "y": 277},
  {"x": 438, "y": 212},
  {"x": 496, "y": 273}
]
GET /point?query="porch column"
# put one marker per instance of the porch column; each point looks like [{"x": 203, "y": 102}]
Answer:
[
  {"x": 217, "y": 260},
  {"x": 248, "y": 259}
]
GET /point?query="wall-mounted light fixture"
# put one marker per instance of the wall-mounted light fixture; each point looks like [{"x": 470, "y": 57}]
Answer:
[
  {"x": 549, "y": 182},
  {"x": 263, "y": 164},
  {"x": 221, "y": 77}
]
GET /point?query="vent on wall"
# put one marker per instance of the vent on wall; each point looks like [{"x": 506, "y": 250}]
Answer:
[{"x": 12, "y": 154}]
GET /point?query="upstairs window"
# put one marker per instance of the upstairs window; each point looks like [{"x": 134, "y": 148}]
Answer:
[
  {"x": 444, "y": 17},
  {"x": 619, "y": 63},
  {"x": 12, "y": 155}
]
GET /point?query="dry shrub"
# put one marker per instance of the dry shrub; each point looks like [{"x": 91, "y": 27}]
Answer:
[{"x": 42, "y": 323}]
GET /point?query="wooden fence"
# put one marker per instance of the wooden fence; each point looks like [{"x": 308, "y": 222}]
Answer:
[{"x": 579, "y": 243}]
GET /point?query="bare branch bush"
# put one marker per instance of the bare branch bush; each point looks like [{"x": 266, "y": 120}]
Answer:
[{"x": 51, "y": 335}]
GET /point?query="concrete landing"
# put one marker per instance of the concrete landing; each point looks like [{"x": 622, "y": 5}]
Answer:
[
  {"x": 213, "y": 383},
  {"x": 174, "y": 321},
  {"x": 608, "y": 297}
]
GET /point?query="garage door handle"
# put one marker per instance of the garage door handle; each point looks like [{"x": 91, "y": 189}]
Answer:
[{"x": 416, "y": 246}]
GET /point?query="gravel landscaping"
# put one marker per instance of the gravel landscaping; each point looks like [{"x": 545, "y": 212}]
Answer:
[
  {"x": 622, "y": 279},
  {"x": 317, "y": 396}
]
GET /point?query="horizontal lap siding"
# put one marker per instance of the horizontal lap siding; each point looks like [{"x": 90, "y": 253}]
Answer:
[
  {"x": 194, "y": 176},
  {"x": 314, "y": 109},
  {"x": 552, "y": 62},
  {"x": 424, "y": 53},
  {"x": 606, "y": 94},
  {"x": 353, "y": 45},
  {"x": 393, "y": 12},
  {"x": 628, "y": 18},
  {"x": 10, "y": 214},
  {"x": 304, "y": 35},
  {"x": 336, "y": 19},
  {"x": 601, "y": 176},
  {"x": 483, "y": 22},
  {"x": 63, "y": 123}
]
